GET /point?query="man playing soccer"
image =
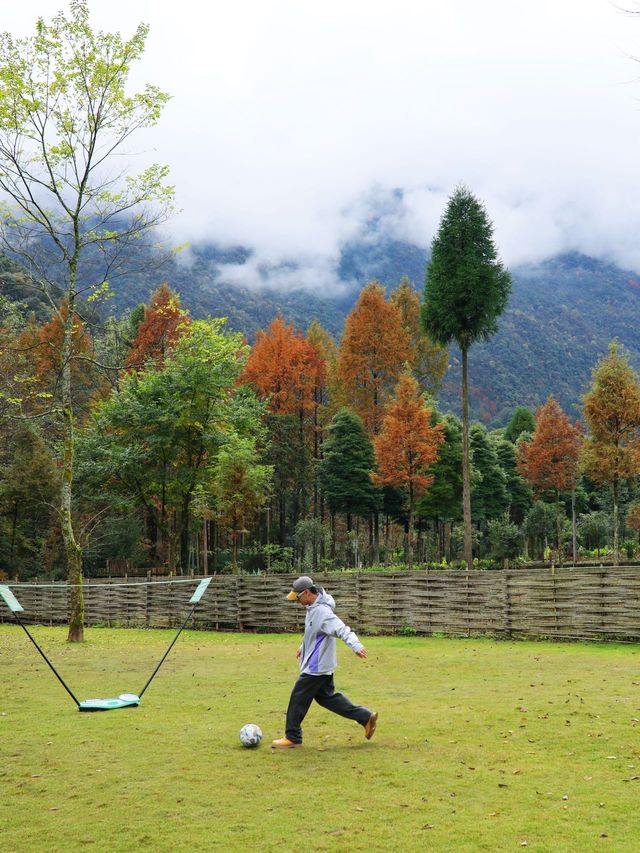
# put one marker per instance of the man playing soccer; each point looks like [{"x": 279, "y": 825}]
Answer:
[{"x": 317, "y": 656}]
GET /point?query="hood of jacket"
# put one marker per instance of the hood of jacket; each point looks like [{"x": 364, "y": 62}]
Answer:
[{"x": 323, "y": 598}]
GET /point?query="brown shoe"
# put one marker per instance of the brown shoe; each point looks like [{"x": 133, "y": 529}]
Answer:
[
  {"x": 284, "y": 743},
  {"x": 370, "y": 725}
]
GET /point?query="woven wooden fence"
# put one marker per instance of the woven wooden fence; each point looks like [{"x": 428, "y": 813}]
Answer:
[{"x": 586, "y": 604}]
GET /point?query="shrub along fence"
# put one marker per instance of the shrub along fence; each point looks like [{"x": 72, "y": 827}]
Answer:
[{"x": 585, "y": 604}]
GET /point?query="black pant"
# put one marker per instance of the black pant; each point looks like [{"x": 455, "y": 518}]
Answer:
[{"x": 319, "y": 687}]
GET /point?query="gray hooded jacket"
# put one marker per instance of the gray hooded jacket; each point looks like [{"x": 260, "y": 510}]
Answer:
[{"x": 321, "y": 627}]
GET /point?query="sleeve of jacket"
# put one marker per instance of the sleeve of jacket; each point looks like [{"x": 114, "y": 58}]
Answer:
[{"x": 332, "y": 626}]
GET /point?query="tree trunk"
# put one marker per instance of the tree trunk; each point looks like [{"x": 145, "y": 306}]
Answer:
[
  {"x": 184, "y": 535},
  {"x": 466, "y": 481},
  {"x": 333, "y": 536},
  {"x": 205, "y": 548},
  {"x": 164, "y": 536},
  {"x": 300, "y": 505},
  {"x": 316, "y": 454},
  {"x": 376, "y": 538},
  {"x": 574, "y": 535},
  {"x": 14, "y": 525},
  {"x": 616, "y": 521},
  {"x": 234, "y": 552},
  {"x": 282, "y": 518},
  {"x": 72, "y": 549},
  {"x": 152, "y": 535},
  {"x": 408, "y": 558},
  {"x": 559, "y": 548}
]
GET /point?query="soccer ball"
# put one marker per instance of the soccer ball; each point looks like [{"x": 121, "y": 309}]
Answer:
[{"x": 250, "y": 735}]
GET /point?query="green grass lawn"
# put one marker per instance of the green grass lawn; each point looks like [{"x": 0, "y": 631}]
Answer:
[{"x": 481, "y": 746}]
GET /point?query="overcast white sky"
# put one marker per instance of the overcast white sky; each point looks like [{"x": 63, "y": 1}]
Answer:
[{"x": 290, "y": 118}]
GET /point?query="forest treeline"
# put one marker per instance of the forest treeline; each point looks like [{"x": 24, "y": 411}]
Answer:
[{"x": 195, "y": 451}]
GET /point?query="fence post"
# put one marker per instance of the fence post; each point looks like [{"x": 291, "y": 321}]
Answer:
[
  {"x": 507, "y": 605},
  {"x": 147, "y": 604},
  {"x": 467, "y": 603}
]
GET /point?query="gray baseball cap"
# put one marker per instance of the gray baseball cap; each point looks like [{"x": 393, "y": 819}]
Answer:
[{"x": 299, "y": 585}]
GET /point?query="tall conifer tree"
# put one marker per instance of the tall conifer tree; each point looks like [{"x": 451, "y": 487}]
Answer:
[{"x": 466, "y": 290}]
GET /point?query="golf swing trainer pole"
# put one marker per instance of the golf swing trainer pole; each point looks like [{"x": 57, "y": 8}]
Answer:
[
  {"x": 15, "y": 607},
  {"x": 153, "y": 674},
  {"x": 195, "y": 598},
  {"x": 124, "y": 700}
]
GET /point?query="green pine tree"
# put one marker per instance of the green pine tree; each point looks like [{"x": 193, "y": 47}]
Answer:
[
  {"x": 466, "y": 290},
  {"x": 489, "y": 490},
  {"x": 519, "y": 495},
  {"x": 522, "y": 421},
  {"x": 443, "y": 501},
  {"x": 344, "y": 473}
]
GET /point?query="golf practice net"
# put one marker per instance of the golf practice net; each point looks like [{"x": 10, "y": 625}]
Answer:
[{"x": 123, "y": 700}]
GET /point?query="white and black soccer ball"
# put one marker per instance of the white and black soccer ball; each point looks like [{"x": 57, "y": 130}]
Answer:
[{"x": 250, "y": 735}]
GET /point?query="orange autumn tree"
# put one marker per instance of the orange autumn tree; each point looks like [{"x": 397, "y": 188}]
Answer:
[
  {"x": 373, "y": 351},
  {"x": 612, "y": 413},
  {"x": 406, "y": 447},
  {"x": 164, "y": 322},
  {"x": 632, "y": 520},
  {"x": 549, "y": 459},
  {"x": 286, "y": 369},
  {"x": 428, "y": 360},
  {"x": 326, "y": 395},
  {"x": 41, "y": 351}
]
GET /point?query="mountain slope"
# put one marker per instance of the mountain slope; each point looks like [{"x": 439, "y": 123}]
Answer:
[
  {"x": 562, "y": 314},
  {"x": 561, "y": 317}
]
